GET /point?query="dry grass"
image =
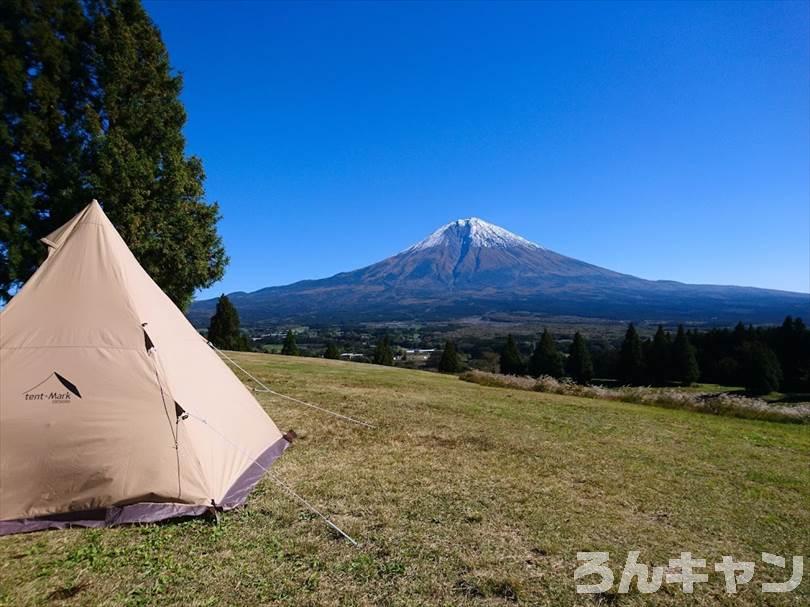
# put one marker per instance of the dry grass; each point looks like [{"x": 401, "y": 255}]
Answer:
[
  {"x": 462, "y": 495},
  {"x": 691, "y": 400}
]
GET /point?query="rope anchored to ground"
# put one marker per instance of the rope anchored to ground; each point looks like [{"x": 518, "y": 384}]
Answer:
[{"x": 290, "y": 398}]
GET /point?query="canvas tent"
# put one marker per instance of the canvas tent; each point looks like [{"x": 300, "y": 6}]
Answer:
[{"x": 113, "y": 409}]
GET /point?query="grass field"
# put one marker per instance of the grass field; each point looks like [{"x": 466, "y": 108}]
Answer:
[{"x": 462, "y": 495}]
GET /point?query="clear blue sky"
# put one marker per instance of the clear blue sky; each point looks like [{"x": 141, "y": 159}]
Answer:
[{"x": 662, "y": 140}]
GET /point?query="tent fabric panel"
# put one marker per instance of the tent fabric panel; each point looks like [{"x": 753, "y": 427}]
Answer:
[
  {"x": 228, "y": 428},
  {"x": 110, "y": 446}
]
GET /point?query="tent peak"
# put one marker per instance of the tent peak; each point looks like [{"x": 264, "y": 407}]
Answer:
[
  {"x": 92, "y": 213},
  {"x": 94, "y": 208}
]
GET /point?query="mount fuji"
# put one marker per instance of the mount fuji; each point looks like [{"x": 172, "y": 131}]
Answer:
[{"x": 471, "y": 268}]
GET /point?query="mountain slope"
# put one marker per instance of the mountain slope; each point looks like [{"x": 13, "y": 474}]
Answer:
[{"x": 470, "y": 267}]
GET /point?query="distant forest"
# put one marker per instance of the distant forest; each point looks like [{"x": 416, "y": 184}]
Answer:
[{"x": 761, "y": 359}]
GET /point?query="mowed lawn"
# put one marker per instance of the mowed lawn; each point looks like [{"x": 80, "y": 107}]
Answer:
[{"x": 462, "y": 495}]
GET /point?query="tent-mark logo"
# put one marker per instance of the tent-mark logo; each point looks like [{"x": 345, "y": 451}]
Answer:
[{"x": 55, "y": 388}]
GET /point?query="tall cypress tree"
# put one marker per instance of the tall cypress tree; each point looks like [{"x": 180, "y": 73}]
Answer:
[
  {"x": 740, "y": 335},
  {"x": 685, "y": 363},
  {"x": 511, "y": 363},
  {"x": 579, "y": 365},
  {"x": 659, "y": 360},
  {"x": 383, "y": 354},
  {"x": 46, "y": 88},
  {"x": 449, "y": 362},
  {"x": 545, "y": 359},
  {"x": 792, "y": 345},
  {"x": 91, "y": 109},
  {"x": 332, "y": 351},
  {"x": 223, "y": 330},
  {"x": 290, "y": 347},
  {"x": 631, "y": 359},
  {"x": 161, "y": 212},
  {"x": 762, "y": 371}
]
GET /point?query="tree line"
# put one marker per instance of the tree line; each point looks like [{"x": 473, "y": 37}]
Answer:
[
  {"x": 776, "y": 356},
  {"x": 760, "y": 359},
  {"x": 547, "y": 360}
]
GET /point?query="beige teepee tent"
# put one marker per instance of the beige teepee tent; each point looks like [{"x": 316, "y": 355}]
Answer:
[{"x": 113, "y": 409}]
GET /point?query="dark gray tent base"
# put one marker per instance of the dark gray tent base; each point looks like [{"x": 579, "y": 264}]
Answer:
[{"x": 150, "y": 512}]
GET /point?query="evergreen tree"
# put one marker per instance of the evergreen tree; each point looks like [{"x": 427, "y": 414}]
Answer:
[
  {"x": 763, "y": 373},
  {"x": 578, "y": 365},
  {"x": 631, "y": 359},
  {"x": 800, "y": 374},
  {"x": 449, "y": 362},
  {"x": 659, "y": 358},
  {"x": 739, "y": 335},
  {"x": 685, "y": 363},
  {"x": 223, "y": 330},
  {"x": 792, "y": 346},
  {"x": 91, "y": 109},
  {"x": 332, "y": 351},
  {"x": 545, "y": 359},
  {"x": 290, "y": 347},
  {"x": 383, "y": 353},
  {"x": 511, "y": 362}
]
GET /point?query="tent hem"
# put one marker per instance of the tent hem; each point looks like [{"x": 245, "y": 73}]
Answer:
[
  {"x": 142, "y": 512},
  {"x": 149, "y": 512}
]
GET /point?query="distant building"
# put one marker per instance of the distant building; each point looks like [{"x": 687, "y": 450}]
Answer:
[{"x": 417, "y": 354}]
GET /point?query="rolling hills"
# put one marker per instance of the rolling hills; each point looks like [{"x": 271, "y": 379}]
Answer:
[{"x": 471, "y": 268}]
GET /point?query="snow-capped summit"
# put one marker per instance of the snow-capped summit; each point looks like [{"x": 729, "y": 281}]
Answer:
[{"x": 473, "y": 232}]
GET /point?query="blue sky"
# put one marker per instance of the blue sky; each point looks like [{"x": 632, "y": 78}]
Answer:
[{"x": 667, "y": 141}]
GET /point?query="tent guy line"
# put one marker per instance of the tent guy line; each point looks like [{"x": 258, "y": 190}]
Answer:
[
  {"x": 295, "y": 400},
  {"x": 284, "y": 486}
]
